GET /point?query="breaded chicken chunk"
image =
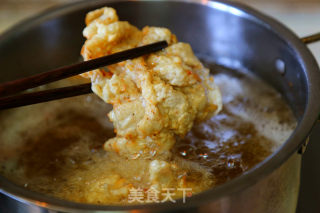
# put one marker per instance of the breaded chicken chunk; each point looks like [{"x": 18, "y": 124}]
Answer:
[{"x": 156, "y": 97}]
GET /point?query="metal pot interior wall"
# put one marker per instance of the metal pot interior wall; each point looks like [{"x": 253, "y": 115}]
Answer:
[{"x": 217, "y": 33}]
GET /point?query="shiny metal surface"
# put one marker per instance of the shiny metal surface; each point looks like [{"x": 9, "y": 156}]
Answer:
[{"x": 226, "y": 33}]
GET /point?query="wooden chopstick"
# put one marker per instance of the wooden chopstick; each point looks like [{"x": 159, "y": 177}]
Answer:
[
  {"x": 43, "y": 96},
  {"x": 19, "y": 85}
]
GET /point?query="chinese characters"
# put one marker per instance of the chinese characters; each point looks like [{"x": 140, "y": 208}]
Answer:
[{"x": 153, "y": 195}]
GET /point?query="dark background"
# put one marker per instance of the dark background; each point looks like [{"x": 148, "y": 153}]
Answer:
[{"x": 309, "y": 198}]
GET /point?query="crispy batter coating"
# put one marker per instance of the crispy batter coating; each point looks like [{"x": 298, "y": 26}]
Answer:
[{"x": 156, "y": 97}]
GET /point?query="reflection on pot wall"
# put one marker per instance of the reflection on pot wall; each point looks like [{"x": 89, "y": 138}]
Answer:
[
  {"x": 301, "y": 16},
  {"x": 273, "y": 189}
]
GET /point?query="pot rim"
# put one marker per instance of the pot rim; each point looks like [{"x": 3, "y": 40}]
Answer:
[{"x": 272, "y": 162}]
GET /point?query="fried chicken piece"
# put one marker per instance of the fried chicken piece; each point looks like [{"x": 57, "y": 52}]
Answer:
[{"x": 156, "y": 97}]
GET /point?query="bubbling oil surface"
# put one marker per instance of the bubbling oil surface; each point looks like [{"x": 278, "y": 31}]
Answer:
[
  {"x": 255, "y": 120},
  {"x": 56, "y": 148}
]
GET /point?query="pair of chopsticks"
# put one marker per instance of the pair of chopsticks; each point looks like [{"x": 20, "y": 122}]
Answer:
[{"x": 19, "y": 85}]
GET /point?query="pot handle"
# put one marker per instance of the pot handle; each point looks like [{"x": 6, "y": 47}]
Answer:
[{"x": 311, "y": 38}]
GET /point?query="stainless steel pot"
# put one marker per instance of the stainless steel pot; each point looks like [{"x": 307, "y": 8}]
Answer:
[{"x": 226, "y": 33}]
